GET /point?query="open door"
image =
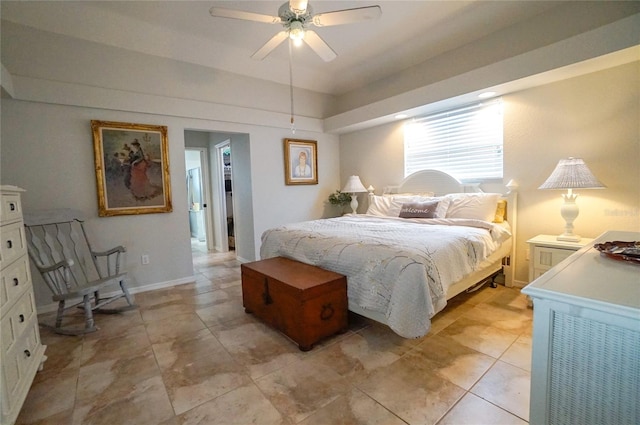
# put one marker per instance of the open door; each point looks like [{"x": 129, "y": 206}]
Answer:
[{"x": 200, "y": 222}]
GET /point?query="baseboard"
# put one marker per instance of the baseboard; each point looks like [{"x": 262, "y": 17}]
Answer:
[
  {"x": 520, "y": 283},
  {"x": 49, "y": 308}
]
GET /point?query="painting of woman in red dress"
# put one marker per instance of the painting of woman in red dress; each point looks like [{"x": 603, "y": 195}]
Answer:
[{"x": 140, "y": 186}]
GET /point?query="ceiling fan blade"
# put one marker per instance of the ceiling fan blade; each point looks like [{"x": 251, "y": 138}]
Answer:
[
  {"x": 298, "y": 6},
  {"x": 319, "y": 46},
  {"x": 220, "y": 12},
  {"x": 347, "y": 16},
  {"x": 268, "y": 47}
]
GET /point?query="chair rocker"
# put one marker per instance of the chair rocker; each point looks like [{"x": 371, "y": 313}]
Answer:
[{"x": 75, "y": 274}]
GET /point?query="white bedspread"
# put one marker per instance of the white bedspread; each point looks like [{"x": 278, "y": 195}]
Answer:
[{"x": 399, "y": 267}]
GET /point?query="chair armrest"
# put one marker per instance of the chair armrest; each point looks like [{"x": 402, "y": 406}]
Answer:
[
  {"x": 118, "y": 248},
  {"x": 61, "y": 264}
]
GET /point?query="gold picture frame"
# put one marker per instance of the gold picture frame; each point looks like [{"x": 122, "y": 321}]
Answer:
[
  {"x": 132, "y": 168},
  {"x": 300, "y": 161}
]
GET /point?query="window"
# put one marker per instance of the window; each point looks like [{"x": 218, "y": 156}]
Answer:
[{"x": 464, "y": 142}]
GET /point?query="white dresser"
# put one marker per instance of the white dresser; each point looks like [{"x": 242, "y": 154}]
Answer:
[
  {"x": 586, "y": 339},
  {"x": 20, "y": 348}
]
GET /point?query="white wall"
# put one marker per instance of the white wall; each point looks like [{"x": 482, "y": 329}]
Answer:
[
  {"x": 48, "y": 150},
  {"x": 594, "y": 116}
]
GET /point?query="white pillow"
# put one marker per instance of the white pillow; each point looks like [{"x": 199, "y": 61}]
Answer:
[
  {"x": 381, "y": 206},
  {"x": 409, "y": 194},
  {"x": 479, "y": 206}
]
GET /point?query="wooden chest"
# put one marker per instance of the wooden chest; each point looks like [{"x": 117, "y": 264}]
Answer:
[{"x": 304, "y": 302}]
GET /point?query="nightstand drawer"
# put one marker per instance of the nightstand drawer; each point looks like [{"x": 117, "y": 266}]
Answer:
[{"x": 545, "y": 257}]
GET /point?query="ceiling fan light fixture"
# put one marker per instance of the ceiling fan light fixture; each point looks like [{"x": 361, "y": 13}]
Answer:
[{"x": 296, "y": 32}]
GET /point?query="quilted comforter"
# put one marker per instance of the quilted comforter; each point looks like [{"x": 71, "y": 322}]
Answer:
[{"x": 398, "y": 267}]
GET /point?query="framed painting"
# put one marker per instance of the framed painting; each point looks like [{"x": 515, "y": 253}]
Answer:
[
  {"x": 300, "y": 161},
  {"x": 132, "y": 168}
]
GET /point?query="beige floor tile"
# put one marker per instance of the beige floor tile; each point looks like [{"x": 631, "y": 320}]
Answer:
[
  {"x": 412, "y": 390},
  {"x": 64, "y": 417},
  {"x": 353, "y": 408},
  {"x": 302, "y": 388},
  {"x": 230, "y": 311},
  {"x": 166, "y": 310},
  {"x": 510, "y": 319},
  {"x": 196, "y": 368},
  {"x": 453, "y": 361},
  {"x": 63, "y": 354},
  {"x": 113, "y": 377},
  {"x": 173, "y": 327},
  {"x": 144, "y": 403},
  {"x": 244, "y": 405},
  {"x": 44, "y": 403},
  {"x": 360, "y": 353},
  {"x": 481, "y": 337},
  {"x": 506, "y": 386},
  {"x": 132, "y": 342},
  {"x": 259, "y": 348},
  {"x": 473, "y": 410},
  {"x": 519, "y": 354}
]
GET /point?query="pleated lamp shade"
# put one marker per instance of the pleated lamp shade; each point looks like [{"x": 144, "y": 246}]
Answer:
[
  {"x": 572, "y": 173},
  {"x": 354, "y": 185}
]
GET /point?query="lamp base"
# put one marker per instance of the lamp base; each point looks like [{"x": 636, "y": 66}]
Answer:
[
  {"x": 569, "y": 238},
  {"x": 354, "y": 203}
]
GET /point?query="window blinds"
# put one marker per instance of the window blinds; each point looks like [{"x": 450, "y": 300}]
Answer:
[{"x": 464, "y": 142}]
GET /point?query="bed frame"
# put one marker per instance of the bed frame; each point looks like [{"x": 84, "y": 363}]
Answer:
[{"x": 501, "y": 261}]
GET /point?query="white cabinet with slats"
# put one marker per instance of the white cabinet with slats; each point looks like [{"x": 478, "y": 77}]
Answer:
[
  {"x": 586, "y": 339},
  {"x": 21, "y": 353}
]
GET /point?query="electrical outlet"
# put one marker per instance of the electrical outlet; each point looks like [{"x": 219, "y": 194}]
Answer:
[{"x": 145, "y": 259}]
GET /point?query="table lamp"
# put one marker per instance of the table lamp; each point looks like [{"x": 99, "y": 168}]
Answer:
[
  {"x": 571, "y": 173},
  {"x": 353, "y": 186}
]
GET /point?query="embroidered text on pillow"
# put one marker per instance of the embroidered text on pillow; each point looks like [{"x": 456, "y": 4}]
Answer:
[{"x": 419, "y": 209}]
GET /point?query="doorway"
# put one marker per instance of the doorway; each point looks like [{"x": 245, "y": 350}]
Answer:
[
  {"x": 197, "y": 180},
  {"x": 223, "y": 156}
]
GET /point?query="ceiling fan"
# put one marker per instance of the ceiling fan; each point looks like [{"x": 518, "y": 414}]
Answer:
[{"x": 295, "y": 16}]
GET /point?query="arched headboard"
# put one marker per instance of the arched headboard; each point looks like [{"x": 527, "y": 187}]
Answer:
[{"x": 429, "y": 181}]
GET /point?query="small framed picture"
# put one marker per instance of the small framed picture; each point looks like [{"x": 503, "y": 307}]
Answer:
[
  {"x": 132, "y": 168},
  {"x": 300, "y": 162}
]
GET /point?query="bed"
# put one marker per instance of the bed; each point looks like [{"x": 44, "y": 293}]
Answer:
[{"x": 419, "y": 244}]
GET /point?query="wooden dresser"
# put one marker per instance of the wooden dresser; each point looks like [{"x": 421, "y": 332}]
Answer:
[
  {"x": 21, "y": 352},
  {"x": 586, "y": 339}
]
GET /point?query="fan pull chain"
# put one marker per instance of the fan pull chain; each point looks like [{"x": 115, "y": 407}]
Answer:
[{"x": 293, "y": 126}]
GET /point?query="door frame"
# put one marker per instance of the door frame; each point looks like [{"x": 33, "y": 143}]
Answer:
[
  {"x": 206, "y": 191},
  {"x": 221, "y": 196}
]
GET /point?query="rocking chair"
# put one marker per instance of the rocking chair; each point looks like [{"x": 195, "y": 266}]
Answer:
[{"x": 59, "y": 248}]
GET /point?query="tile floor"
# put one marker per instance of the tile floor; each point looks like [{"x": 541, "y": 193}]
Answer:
[{"x": 190, "y": 355}]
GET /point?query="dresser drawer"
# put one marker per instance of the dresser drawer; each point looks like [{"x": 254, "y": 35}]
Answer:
[
  {"x": 14, "y": 281},
  {"x": 13, "y": 243},
  {"x": 10, "y": 208},
  {"x": 19, "y": 366},
  {"x": 18, "y": 320}
]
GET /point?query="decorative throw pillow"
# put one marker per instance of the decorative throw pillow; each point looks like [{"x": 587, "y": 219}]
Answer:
[
  {"x": 501, "y": 211},
  {"x": 419, "y": 209}
]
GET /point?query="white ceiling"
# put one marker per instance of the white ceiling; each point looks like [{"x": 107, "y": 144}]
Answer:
[{"x": 408, "y": 33}]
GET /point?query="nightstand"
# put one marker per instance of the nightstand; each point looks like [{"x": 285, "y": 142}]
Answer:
[{"x": 545, "y": 251}]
